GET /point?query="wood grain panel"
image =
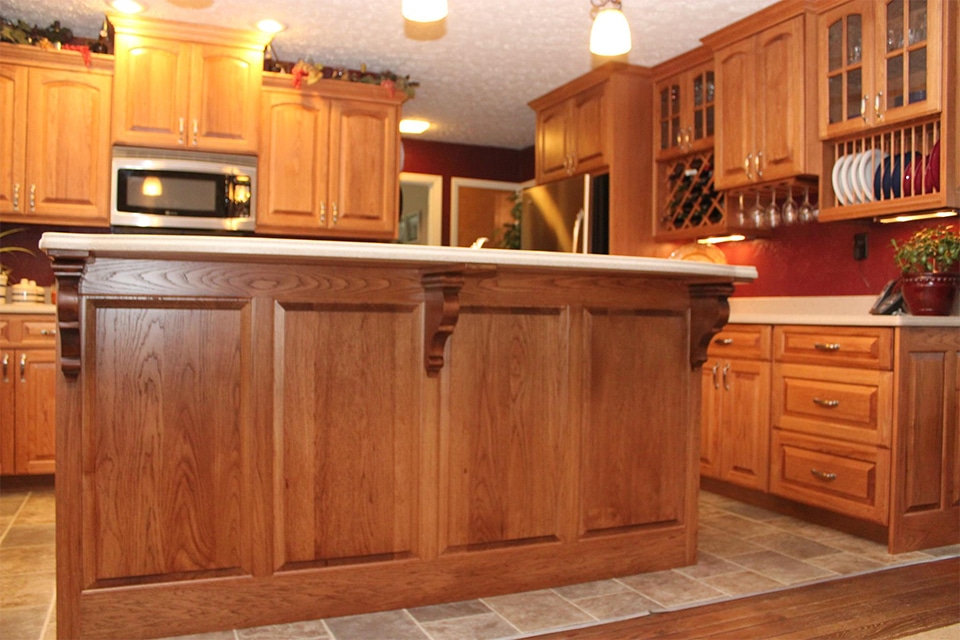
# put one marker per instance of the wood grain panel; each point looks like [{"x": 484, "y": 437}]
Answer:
[
  {"x": 745, "y": 431},
  {"x": 634, "y": 471},
  {"x": 168, "y": 402},
  {"x": 346, "y": 424},
  {"x": 36, "y": 432},
  {"x": 501, "y": 452}
]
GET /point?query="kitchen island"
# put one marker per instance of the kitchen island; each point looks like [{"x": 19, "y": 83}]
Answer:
[{"x": 253, "y": 431}]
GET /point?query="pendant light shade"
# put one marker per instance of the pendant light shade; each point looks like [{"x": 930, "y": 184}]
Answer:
[
  {"x": 610, "y": 35},
  {"x": 424, "y": 10}
]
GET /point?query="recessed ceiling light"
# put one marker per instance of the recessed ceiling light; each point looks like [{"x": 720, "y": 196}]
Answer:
[
  {"x": 127, "y": 6},
  {"x": 269, "y": 25},
  {"x": 413, "y": 125}
]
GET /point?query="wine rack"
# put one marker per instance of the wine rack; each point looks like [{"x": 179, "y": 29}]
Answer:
[{"x": 688, "y": 204}]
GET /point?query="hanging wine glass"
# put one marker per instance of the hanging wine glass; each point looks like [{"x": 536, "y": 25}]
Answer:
[
  {"x": 741, "y": 215},
  {"x": 805, "y": 214},
  {"x": 773, "y": 211},
  {"x": 756, "y": 216},
  {"x": 789, "y": 213}
]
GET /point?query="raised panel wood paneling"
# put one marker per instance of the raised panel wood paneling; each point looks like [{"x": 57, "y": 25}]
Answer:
[
  {"x": 780, "y": 105},
  {"x": 745, "y": 411},
  {"x": 221, "y": 73},
  {"x": 163, "y": 450},
  {"x": 736, "y": 113},
  {"x": 502, "y": 453},
  {"x": 347, "y": 433},
  {"x": 8, "y": 415},
  {"x": 36, "y": 433},
  {"x": 13, "y": 133},
  {"x": 589, "y": 132},
  {"x": 151, "y": 112},
  {"x": 623, "y": 488}
]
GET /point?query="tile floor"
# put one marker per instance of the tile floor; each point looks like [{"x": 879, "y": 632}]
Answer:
[{"x": 743, "y": 550}]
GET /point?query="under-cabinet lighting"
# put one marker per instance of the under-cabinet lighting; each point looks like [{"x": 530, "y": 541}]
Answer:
[
  {"x": 269, "y": 25},
  {"x": 413, "y": 125},
  {"x": 127, "y": 6},
  {"x": 910, "y": 217},
  {"x": 718, "y": 239}
]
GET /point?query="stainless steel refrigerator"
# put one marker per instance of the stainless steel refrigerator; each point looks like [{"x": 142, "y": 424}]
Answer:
[{"x": 566, "y": 215}]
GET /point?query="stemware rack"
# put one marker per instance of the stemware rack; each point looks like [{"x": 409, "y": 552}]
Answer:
[{"x": 902, "y": 170}]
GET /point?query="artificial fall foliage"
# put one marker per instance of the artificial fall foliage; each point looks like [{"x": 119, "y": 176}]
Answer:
[{"x": 312, "y": 73}]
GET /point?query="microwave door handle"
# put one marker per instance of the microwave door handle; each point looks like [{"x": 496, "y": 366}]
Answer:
[{"x": 577, "y": 225}]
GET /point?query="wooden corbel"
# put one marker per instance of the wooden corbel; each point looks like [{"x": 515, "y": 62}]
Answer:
[
  {"x": 441, "y": 311},
  {"x": 709, "y": 312},
  {"x": 68, "y": 267}
]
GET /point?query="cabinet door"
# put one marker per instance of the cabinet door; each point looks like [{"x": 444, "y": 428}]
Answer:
[
  {"x": 668, "y": 115},
  {"x": 68, "y": 146},
  {"x": 151, "y": 80},
  {"x": 587, "y": 134},
  {"x": 35, "y": 407},
  {"x": 293, "y": 173},
  {"x": 710, "y": 394},
  {"x": 13, "y": 132},
  {"x": 909, "y": 50},
  {"x": 364, "y": 182},
  {"x": 225, "y": 99},
  {"x": 736, "y": 107},
  {"x": 745, "y": 427},
  {"x": 845, "y": 68},
  {"x": 552, "y": 125},
  {"x": 701, "y": 89},
  {"x": 8, "y": 414},
  {"x": 780, "y": 100}
]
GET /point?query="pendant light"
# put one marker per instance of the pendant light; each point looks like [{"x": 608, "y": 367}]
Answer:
[
  {"x": 424, "y": 10},
  {"x": 610, "y": 35}
]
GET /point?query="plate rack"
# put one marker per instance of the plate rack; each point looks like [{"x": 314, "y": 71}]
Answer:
[{"x": 896, "y": 170}]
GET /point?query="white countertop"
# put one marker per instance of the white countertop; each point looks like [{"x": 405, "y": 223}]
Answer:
[
  {"x": 267, "y": 248},
  {"x": 826, "y": 310}
]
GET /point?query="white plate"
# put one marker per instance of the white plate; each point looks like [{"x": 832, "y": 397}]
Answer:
[
  {"x": 841, "y": 197},
  {"x": 853, "y": 178},
  {"x": 867, "y": 171}
]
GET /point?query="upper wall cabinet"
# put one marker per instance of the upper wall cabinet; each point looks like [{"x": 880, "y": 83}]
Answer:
[
  {"x": 54, "y": 137},
  {"x": 686, "y": 113},
  {"x": 329, "y": 160},
  {"x": 879, "y": 63},
  {"x": 184, "y": 86},
  {"x": 570, "y": 135},
  {"x": 766, "y": 96}
]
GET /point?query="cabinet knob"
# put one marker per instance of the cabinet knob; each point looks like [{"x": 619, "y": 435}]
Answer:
[
  {"x": 825, "y": 476},
  {"x": 16, "y": 196}
]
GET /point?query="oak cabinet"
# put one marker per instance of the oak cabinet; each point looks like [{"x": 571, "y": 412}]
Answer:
[
  {"x": 570, "y": 138},
  {"x": 55, "y": 142},
  {"x": 735, "y": 387},
  {"x": 879, "y": 63},
  {"x": 685, "y": 104},
  {"x": 766, "y": 93},
  {"x": 329, "y": 161},
  {"x": 27, "y": 394},
  {"x": 185, "y": 87}
]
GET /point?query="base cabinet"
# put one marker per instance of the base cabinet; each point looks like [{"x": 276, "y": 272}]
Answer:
[{"x": 27, "y": 394}]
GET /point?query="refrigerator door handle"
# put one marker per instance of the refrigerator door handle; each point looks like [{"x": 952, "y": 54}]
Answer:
[{"x": 576, "y": 232}]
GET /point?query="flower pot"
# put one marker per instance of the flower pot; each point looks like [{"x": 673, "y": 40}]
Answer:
[{"x": 930, "y": 294}]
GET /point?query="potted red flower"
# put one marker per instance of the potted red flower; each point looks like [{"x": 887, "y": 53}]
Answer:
[{"x": 930, "y": 264}]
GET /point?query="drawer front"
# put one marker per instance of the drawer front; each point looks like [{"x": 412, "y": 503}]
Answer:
[
  {"x": 745, "y": 341},
  {"x": 848, "y": 404},
  {"x": 39, "y": 332},
  {"x": 6, "y": 331},
  {"x": 870, "y": 347},
  {"x": 843, "y": 477}
]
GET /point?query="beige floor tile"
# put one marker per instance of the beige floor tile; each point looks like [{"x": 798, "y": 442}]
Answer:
[
  {"x": 27, "y": 590},
  {"x": 28, "y": 559},
  {"x": 724, "y": 545},
  {"x": 781, "y": 568},
  {"x": 449, "y": 610},
  {"x": 742, "y": 583},
  {"x": 846, "y": 563},
  {"x": 736, "y": 525},
  {"x": 749, "y": 511},
  {"x": 39, "y": 508},
  {"x": 591, "y": 589},
  {"x": 11, "y": 502},
  {"x": 793, "y": 545},
  {"x": 671, "y": 588},
  {"x": 306, "y": 630},
  {"x": 486, "y": 626},
  {"x": 20, "y": 535},
  {"x": 537, "y": 610},
  {"x": 803, "y": 528},
  {"x": 215, "y": 635},
  {"x": 22, "y": 623},
  {"x": 708, "y": 565},
  {"x": 396, "y": 625},
  {"x": 613, "y": 606}
]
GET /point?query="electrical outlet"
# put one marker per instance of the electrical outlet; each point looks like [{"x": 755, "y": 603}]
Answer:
[{"x": 860, "y": 246}]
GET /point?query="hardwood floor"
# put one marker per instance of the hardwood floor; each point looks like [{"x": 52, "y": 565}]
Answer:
[{"x": 887, "y": 604}]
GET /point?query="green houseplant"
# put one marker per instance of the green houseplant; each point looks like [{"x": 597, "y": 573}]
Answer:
[{"x": 930, "y": 264}]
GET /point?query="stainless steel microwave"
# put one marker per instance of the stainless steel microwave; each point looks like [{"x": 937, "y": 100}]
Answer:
[{"x": 183, "y": 190}]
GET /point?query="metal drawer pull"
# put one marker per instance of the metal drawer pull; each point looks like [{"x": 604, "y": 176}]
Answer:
[
  {"x": 829, "y": 404},
  {"x": 6, "y": 363},
  {"x": 723, "y": 341},
  {"x": 48, "y": 332},
  {"x": 726, "y": 383},
  {"x": 826, "y": 346},
  {"x": 716, "y": 381},
  {"x": 23, "y": 367},
  {"x": 823, "y": 475}
]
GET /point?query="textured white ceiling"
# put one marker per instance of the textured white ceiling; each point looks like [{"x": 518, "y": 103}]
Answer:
[{"x": 492, "y": 58}]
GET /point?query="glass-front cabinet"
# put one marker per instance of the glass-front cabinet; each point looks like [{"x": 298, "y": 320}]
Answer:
[
  {"x": 685, "y": 104},
  {"x": 879, "y": 63}
]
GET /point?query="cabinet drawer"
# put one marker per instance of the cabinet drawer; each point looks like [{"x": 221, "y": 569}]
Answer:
[
  {"x": 835, "y": 346},
  {"x": 747, "y": 341},
  {"x": 38, "y": 332},
  {"x": 843, "y": 477},
  {"x": 848, "y": 404}
]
